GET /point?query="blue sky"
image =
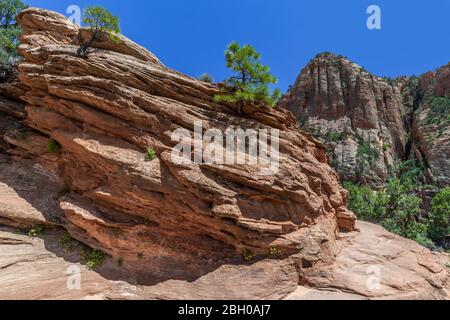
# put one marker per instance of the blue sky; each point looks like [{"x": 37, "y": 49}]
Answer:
[{"x": 191, "y": 35}]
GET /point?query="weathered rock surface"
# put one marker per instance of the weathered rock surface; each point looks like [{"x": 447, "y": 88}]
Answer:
[
  {"x": 431, "y": 125},
  {"x": 370, "y": 264},
  {"x": 105, "y": 111},
  {"x": 366, "y": 121},
  {"x": 170, "y": 230}
]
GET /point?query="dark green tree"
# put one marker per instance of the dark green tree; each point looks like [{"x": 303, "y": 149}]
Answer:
[
  {"x": 251, "y": 80},
  {"x": 9, "y": 36},
  {"x": 439, "y": 216},
  {"x": 100, "y": 21}
]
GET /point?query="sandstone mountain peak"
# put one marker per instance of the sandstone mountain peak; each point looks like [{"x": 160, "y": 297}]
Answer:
[
  {"x": 74, "y": 133},
  {"x": 357, "y": 114}
]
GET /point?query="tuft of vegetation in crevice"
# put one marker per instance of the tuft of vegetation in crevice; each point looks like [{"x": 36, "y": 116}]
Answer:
[
  {"x": 93, "y": 258},
  {"x": 150, "y": 154},
  {"x": 35, "y": 231},
  {"x": 53, "y": 146},
  {"x": 248, "y": 255},
  {"x": 66, "y": 242}
]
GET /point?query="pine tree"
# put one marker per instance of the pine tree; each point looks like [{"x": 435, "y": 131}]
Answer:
[
  {"x": 9, "y": 36},
  {"x": 100, "y": 21},
  {"x": 250, "y": 84}
]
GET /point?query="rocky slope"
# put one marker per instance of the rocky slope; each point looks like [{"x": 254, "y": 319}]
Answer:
[
  {"x": 74, "y": 136},
  {"x": 370, "y": 123}
]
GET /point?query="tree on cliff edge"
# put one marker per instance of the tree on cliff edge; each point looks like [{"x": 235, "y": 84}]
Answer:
[
  {"x": 251, "y": 80},
  {"x": 9, "y": 36},
  {"x": 100, "y": 21}
]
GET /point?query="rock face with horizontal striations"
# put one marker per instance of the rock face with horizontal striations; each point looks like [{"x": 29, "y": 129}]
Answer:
[
  {"x": 106, "y": 110},
  {"x": 76, "y": 140}
]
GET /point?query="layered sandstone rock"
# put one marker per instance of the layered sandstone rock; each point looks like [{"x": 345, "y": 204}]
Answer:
[
  {"x": 169, "y": 230},
  {"x": 106, "y": 110},
  {"x": 366, "y": 121}
]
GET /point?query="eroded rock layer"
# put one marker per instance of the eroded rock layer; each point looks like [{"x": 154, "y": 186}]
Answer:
[
  {"x": 73, "y": 156},
  {"x": 103, "y": 112}
]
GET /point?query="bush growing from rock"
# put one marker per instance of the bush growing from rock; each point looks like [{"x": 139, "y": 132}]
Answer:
[{"x": 100, "y": 21}]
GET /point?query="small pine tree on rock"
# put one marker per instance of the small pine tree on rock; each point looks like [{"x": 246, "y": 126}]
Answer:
[
  {"x": 100, "y": 21},
  {"x": 250, "y": 83}
]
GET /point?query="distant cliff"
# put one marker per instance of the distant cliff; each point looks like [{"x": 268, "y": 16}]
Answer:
[{"x": 370, "y": 123}]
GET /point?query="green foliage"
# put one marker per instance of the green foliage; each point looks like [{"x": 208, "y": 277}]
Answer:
[
  {"x": 93, "y": 258},
  {"x": 53, "y": 146},
  {"x": 386, "y": 147},
  {"x": 366, "y": 155},
  {"x": 205, "y": 77},
  {"x": 251, "y": 81},
  {"x": 396, "y": 207},
  {"x": 66, "y": 241},
  {"x": 100, "y": 21},
  {"x": 150, "y": 154},
  {"x": 439, "y": 111},
  {"x": 248, "y": 255},
  {"x": 35, "y": 231},
  {"x": 274, "y": 252},
  {"x": 409, "y": 170},
  {"x": 335, "y": 136},
  {"x": 439, "y": 216},
  {"x": 9, "y": 35}
]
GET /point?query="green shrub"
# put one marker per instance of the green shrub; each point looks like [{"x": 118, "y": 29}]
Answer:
[
  {"x": 150, "y": 154},
  {"x": 53, "y": 146},
  {"x": 66, "y": 242},
  {"x": 396, "y": 207},
  {"x": 205, "y": 77},
  {"x": 335, "y": 136},
  {"x": 248, "y": 255},
  {"x": 273, "y": 252},
  {"x": 439, "y": 111},
  {"x": 35, "y": 231},
  {"x": 93, "y": 258},
  {"x": 366, "y": 151},
  {"x": 439, "y": 216}
]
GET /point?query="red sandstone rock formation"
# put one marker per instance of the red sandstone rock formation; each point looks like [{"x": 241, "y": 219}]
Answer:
[{"x": 170, "y": 230}]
